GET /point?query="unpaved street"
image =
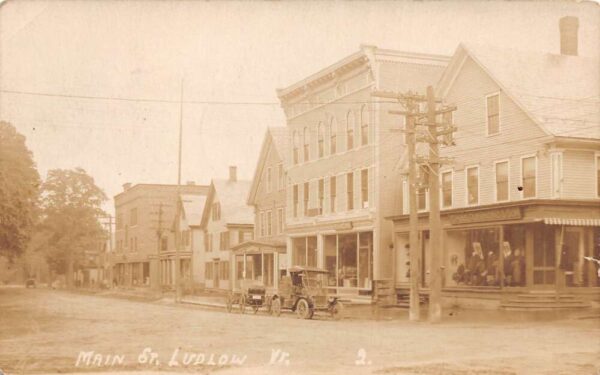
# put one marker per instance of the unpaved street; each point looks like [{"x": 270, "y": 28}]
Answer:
[{"x": 44, "y": 331}]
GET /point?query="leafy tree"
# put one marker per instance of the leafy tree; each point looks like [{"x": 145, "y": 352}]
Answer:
[
  {"x": 19, "y": 191},
  {"x": 71, "y": 208}
]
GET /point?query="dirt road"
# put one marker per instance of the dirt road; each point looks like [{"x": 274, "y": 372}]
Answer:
[{"x": 45, "y": 331}]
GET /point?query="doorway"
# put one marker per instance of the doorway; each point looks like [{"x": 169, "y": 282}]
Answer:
[
  {"x": 572, "y": 253},
  {"x": 544, "y": 257}
]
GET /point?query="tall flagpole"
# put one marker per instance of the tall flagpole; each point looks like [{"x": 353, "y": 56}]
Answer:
[{"x": 178, "y": 205}]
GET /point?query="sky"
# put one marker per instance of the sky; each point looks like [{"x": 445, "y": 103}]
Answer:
[{"x": 96, "y": 84}]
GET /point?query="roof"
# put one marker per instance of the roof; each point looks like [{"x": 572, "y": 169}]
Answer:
[
  {"x": 193, "y": 206},
  {"x": 232, "y": 198},
  {"x": 276, "y": 138},
  {"x": 262, "y": 243},
  {"x": 560, "y": 93}
]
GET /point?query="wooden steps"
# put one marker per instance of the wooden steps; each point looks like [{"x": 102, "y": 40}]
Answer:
[{"x": 542, "y": 300}]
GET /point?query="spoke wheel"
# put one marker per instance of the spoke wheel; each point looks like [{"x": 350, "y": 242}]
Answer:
[
  {"x": 337, "y": 310},
  {"x": 303, "y": 309},
  {"x": 276, "y": 306}
]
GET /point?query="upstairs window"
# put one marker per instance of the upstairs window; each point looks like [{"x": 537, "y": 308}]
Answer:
[
  {"x": 502, "y": 181},
  {"x": 332, "y": 193},
  {"x": 306, "y": 139},
  {"x": 528, "y": 176},
  {"x": 364, "y": 188},
  {"x": 332, "y": 137},
  {"x": 269, "y": 223},
  {"x": 280, "y": 220},
  {"x": 350, "y": 191},
  {"x": 472, "y": 185},
  {"x": 320, "y": 140},
  {"x": 556, "y": 174},
  {"x": 306, "y": 192},
  {"x": 295, "y": 200},
  {"x": 262, "y": 224},
  {"x": 321, "y": 194},
  {"x": 447, "y": 189},
  {"x": 493, "y": 114},
  {"x": 350, "y": 131},
  {"x": 295, "y": 146},
  {"x": 364, "y": 126}
]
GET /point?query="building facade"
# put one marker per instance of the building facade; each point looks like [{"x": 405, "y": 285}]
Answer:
[
  {"x": 144, "y": 239},
  {"x": 264, "y": 259},
  {"x": 226, "y": 221},
  {"x": 521, "y": 201},
  {"x": 343, "y": 179}
]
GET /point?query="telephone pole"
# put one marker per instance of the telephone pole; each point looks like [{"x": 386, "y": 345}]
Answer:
[{"x": 177, "y": 275}]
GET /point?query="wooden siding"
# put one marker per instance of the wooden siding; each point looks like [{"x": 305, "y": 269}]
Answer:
[{"x": 579, "y": 174}]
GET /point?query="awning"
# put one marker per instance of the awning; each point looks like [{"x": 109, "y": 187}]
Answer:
[{"x": 573, "y": 222}]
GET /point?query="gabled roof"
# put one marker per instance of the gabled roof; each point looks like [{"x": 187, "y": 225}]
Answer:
[
  {"x": 560, "y": 93},
  {"x": 232, "y": 198},
  {"x": 192, "y": 208},
  {"x": 277, "y": 139}
]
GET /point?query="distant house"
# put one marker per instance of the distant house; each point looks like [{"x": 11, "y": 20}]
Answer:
[
  {"x": 263, "y": 259},
  {"x": 144, "y": 240},
  {"x": 192, "y": 237},
  {"x": 522, "y": 198},
  {"x": 226, "y": 221}
]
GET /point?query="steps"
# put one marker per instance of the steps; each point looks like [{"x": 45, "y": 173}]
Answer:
[
  {"x": 542, "y": 300},
  {"x": 385, "y": 292},
  {"x": 403, "y": 299}
]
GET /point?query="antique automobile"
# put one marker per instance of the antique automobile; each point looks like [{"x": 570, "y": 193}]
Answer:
[
  {"x": 252, "y": 293},
  {"x": 304, "y": 292}
]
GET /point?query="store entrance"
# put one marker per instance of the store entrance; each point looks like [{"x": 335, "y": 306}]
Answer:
[
  {"x": 544, "y": 257},
  {"x": 571, "y": 262}
]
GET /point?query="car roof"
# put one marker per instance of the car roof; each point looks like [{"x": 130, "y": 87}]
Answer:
[{"x": 309, "y": 269}]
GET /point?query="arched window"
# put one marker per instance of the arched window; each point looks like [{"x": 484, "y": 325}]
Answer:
[
  {"x": 364, "y": 125},
  {"x": 306, "y": 143},
  {"x": 320, "y": 140},
  {"x": 350, "y": 131},
  {"x": 332, "y": 136},
  {"x": 295, "y": 142}
]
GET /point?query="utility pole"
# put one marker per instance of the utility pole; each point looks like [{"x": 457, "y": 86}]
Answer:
[{"x": 177, "y": 280}]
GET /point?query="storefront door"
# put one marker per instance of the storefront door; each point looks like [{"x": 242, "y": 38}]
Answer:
[
  {"x": 571, "y": 262},
  {"x": 544, "y": 257}
]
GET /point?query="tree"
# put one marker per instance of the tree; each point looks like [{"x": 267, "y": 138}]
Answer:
[
  {"x": 71, "y": 204},
  {"x": 19, "y": 191}
]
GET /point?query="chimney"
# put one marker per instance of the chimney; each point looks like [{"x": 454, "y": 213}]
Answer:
[
  {"x": 233, "y": 173},
  {"x": 126, "y": 186},
  {"x": 568, "y": 35}
]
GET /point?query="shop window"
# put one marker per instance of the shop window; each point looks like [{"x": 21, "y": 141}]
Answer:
[
  {"x": 447, "y": 189},
  {"x": 365, "y": 259},
  {"x": 513, "y": 252},
  {"x": 330, "y": 258},
  {"x": 493, "y": 114},
  {"x": 528, "y": 177},
  {"x": 304, "y": 251},
  {"x": 347, "y": 263},
  {"x": 332, "y": 193},
  {"x": 472, "y": 185},
  {"x": 501, "y": 181},
  {"x": 473, "y": 257}
]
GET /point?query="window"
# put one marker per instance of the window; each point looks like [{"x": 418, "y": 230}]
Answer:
[
  {"x": 350, "y": 131},
  {"x": 295, "y": 142},
  {"x": 598, "y": 176},
  {"x": 269, "y": 223},
  {"x": 349, "y": 259},
  {"x": 209, "y": 242},
  {"x": 262, "y": 224},
  {"x": 332, "y": 137},
  {"x": 208, "y": 270},
  {"x": 447, "y": 189},
  {"x": 364, "y": 188},
  {"x": 306, "y": 192},
  {"x": 556, "y": 174},
  {"x": 332, "y": 192},
  {"x": 269, "y": 180},
  {"x": 295, "y": 200},
  {"x": 493, "y": 114},
  {"x": 472, "y": 185},
  {"x": 133, "y": 217},
  {"x": 528, "y": 174},
  {"x": 216, "y": 211},
  {"x": 304, "y": 251},
  {"x": 321, "y": 195},
  {"x": 224, "y": 270},
  {"x": 306, "y": 139},
  {"x": 280, "y": 177},
  {"x": 350, "y": 191},
  {"x": 364, "y": 126},
  {"x": 320, "y": 140},
  {"x": 224, "y": 241},
  {"x": 502, "y": 189},
  {"x": 280, "y": 220}
]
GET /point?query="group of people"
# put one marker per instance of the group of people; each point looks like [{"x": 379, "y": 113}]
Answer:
[{"x": 483, "y": 270}]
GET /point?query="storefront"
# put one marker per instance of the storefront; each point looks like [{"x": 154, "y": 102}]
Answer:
[
  {"x": 263, "y": 262},
  {"x": 348, "y": 256},
  {"x": 510, "y": 248}
]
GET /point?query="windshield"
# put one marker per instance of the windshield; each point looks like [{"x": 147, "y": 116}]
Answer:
[{"x": 314, "y": 279}]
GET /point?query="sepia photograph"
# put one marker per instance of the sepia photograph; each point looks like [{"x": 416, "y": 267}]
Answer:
[{"x": 299, "y": 187}]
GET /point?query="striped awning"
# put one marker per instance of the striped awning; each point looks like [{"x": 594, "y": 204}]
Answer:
[{"x": 573, "y": 222}]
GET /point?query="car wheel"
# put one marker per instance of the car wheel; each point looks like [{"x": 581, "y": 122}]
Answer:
[
  {"x": 337, "y": 310},
  {"x": 229, "y": 303},
  {"x": 276, "y": 306},
  {"x": 242, "y": 304},
  {"x": 303, "y": 309}
]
